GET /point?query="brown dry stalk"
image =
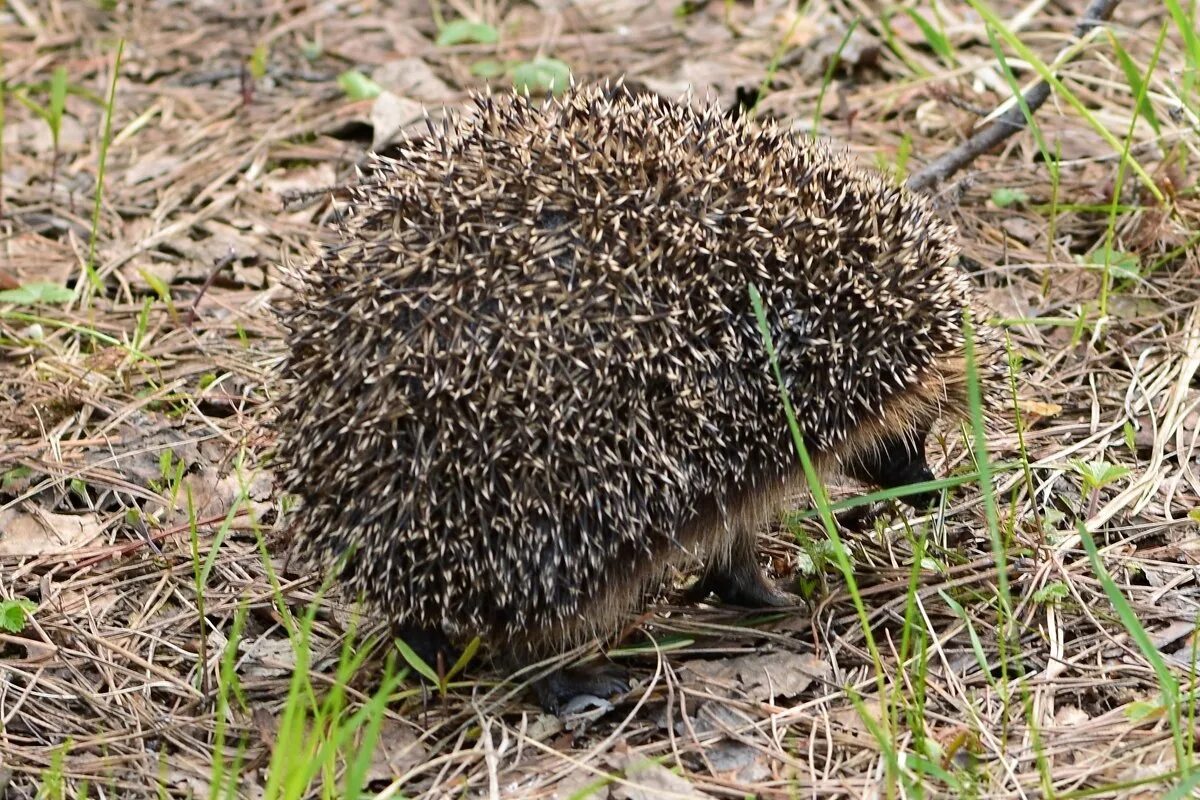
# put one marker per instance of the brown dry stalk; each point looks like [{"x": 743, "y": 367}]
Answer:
[{"x": 1008, "y": 123}]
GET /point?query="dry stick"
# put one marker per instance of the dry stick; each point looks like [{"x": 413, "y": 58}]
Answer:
[
  {"x": 1010, "y": 121},
  {"x": 220, "y": 264}
]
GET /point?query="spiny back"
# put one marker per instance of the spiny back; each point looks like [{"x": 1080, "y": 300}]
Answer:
[{"x": 533, "y": 353}]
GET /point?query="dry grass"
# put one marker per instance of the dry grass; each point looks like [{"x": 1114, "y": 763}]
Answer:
[{"x": 113, "y": 683}]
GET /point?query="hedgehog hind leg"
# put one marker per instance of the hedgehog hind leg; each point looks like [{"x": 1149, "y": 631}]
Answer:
[
  {"x": 738, "y": 579},
  {"x": 898, "y": 460}
]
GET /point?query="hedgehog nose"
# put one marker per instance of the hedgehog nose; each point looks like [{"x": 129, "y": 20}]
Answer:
[{"x": 922, "y": 501}]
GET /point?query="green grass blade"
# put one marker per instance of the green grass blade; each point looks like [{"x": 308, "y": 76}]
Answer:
[
  {"x": 828, "y": 77},
  {"x": 416, "y": 662},
  {"x": 937, "y": 40},
  {"x": 1144, "y": 107},
  {"x": 1186, "y": 23},
  {"x": 821, "y": 500},
  {"x": 58, "y": 102},
  {"x": 1167, "y": 682},
  {"x": 1047, "y": 74},
  {"x": 105, "y": 140}
]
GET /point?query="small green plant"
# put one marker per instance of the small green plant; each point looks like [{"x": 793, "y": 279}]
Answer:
[
  {"x": 1004, "y": 197},
  {"x": 105, "y": 141},
  {"x": 1112, "y": 257},
  {"x": 541, "y": 75},
  {"x": 54, "y": 787},
  {"x": 3, "y": 110},
  {"x": 811, "y": 562},
  {"x": 1096, "y": 475},
  {"x": 429, "y": 673},
  {"x": 1129, "y": 436},
  {"x": 1047, "y": 73},
  {"x": 160, "y": 288},
  {"x": 1187, "y": 24},
  {"x": 229, "y": 690},
  {"x": 1052, "y": 593},
  {"x": 37, "y": 293},
  {"x": 465, "y": 31},
  {"x": 258, "y": 61},
  {"x": 1136, "y": 82},
  {"x": 840, "y": 551},
  {"x": 686, "y": 8},
  {"x": 15, "y": 614},
  {"x": 358, "y": 86},
  {"x": 311, "y": 50},
  {"x": 79, "y": 487},
  {"x": 1168, "y": 684},
  {"x": 51, "y": 112},
  {"x": 13, "y": 476},
  {"x": 536, "y": 76},
  {"x": 1114, "y": 263}
]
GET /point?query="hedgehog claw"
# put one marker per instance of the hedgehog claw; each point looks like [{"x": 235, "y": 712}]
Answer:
[{"x": 558, "y": 688}]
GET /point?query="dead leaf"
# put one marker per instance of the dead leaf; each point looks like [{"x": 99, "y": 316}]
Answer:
[
  {"x": 76, "y": 602},
  {"x": 1075, "y": 141},
  {"x": 574, "y": 786},
  {"x": 316, "y": 177},
  {"x": 1071, "y": 718},
  {"x": 36, "y": 652},
  {"x": 1037, "y": 408},
  {"x": 412, "y": 78},
  {"x": 33, "y": 135},
  {"x": 763, "y": 676},
  {"x": 213, "y": 495},
  {"x": 740, "y": 762},
  {"x": 390, "y": 115},
  {"x": 650, "y": 781},
  {"x": 848, "y": 716},
  {"x": 1022, "y": 229},
  {"x": 931, "y": 117},
  {"x": 396, "y": 752},
  {"x": 31, "y": 531},
  {"x": 268, "y": 658}
]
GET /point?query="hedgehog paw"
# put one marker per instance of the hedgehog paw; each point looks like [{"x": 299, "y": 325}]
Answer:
[
  {"x": 559, "y": 688},
  {"x": 746, "y": 588}
]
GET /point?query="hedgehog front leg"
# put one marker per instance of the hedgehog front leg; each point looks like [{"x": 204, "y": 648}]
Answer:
[
  {"x": 738, "y": 580},
  {"x": 555, "y": 691},
  {"x": 899, "y": 460}
]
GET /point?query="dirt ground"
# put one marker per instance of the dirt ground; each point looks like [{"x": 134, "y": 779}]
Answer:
[{"x": 136, "y": 514}]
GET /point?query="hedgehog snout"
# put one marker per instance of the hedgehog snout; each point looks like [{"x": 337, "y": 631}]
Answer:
[{"x": 899, "y": 460}]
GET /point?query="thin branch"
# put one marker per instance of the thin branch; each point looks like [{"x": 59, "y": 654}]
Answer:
[{"x": 1008, "y": 123}]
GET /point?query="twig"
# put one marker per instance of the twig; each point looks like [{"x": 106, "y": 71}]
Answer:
[
  {"x": 1010, "y": 121},
  {"x": 221, "y": 263}
]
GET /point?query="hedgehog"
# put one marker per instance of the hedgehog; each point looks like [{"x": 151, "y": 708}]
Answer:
[{"x": 526, "y": 380}]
